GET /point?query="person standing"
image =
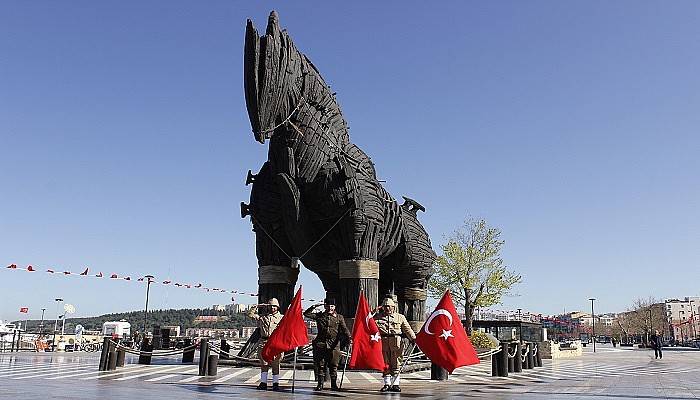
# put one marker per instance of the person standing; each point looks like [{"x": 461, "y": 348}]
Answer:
[
  {"x": 657, "y": 343},
  {"x": 332, "y": 333},
  {"x": 392, "y": 325},
  {"x": 267, "y": 323}
]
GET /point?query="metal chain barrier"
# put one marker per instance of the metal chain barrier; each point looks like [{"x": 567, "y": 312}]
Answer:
[
  {"x": 174, "y": 352},
  {"x": 515, "y": 349}
]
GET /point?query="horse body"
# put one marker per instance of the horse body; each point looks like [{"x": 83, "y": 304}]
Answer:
[{"x": 318, "y": 197}]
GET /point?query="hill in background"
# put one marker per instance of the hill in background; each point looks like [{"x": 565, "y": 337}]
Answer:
[{"x": 185, "y": 318}]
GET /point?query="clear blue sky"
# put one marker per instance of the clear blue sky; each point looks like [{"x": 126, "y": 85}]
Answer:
[{"x": 571, "y": 126}]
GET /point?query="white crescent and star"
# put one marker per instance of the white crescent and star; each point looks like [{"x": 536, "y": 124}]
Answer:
[{"x": 440, "y": 311}]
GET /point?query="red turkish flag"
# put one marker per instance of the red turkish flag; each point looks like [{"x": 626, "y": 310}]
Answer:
[
  {"x": 12, "y": 266},
  {"x": 30, "y": 268},
  {"x": 24, "y": 309},
  {"x": 84, "y": 273},
  {"x": 443, "y": 338},
  {"x": 289, "y": 334},
  {"x": 366, "y": 340}
]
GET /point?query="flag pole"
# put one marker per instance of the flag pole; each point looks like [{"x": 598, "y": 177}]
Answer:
[
  {"x": 347, "y": 356},
  {"x": 403, "y": 364},
  {"x": 294, "y": 372}
]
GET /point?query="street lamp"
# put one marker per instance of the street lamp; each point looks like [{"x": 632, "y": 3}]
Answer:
[
  {"x": 41, "y": 325},
  {"x": 55, "y": 325},
  {"x": 592, "y": 322},
  {"x": 149, "y": 279}
]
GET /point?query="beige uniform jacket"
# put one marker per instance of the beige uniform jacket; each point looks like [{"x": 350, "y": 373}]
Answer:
[
  {"x": 393, "y": 324},
  {"x": 267, "y": 322}
]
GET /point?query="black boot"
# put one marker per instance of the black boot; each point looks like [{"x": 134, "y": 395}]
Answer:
[
  {"x": 334, "y": 384},
  {"x": 319, "y": 385},
  {"x": 385, "y": 388},
  {"x": 395, "y": 388},
  {"x": 262, "y": 386},
  {"x": 276, "y": 387}
]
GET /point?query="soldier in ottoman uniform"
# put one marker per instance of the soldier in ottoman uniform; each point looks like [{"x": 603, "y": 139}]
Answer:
[
  {"x": 391, "y": 326},
  {"x": 267, "y": 322},
  {"x": 326, "y": 346}
]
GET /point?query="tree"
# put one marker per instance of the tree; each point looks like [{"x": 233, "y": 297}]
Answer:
[
  {"x": 643, "y": 317},
  {"x": 472, "y": 269}
]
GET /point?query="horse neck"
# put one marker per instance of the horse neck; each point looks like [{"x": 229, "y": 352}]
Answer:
[{"x": 317, "y": 123}]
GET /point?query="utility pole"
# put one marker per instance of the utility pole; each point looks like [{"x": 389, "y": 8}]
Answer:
[
  {"x": 41, "y": 325},
  {"x": 592, "y": 322},
  {"x": 149, "y": 279},
  {"x": 55, "y": 325}
]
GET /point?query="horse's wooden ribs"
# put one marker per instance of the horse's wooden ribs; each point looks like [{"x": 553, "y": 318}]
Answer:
[{"x": 316, "y": 185}]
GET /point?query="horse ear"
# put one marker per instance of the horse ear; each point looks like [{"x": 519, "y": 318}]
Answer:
[{"x": 250, "y": 71}]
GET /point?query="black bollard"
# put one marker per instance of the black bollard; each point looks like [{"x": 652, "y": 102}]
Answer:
[
  {"x": 121, "y": 357},
  {"x": 188, "y": 353},
  {"x": 526, "y": 349},
  {"x": 538, "y": 356},
  {"x": 146, "y": 346},
  {"x": 503, "y": 360},
  {"x": 518, "y": 359},
  {"x": 104, "y": 354},
  {"x": 212, "y": 364},
  {"x": 203, "y": 356},
  {"x": 511, "y": 360},
  {"x": 14, "y": 337},
  {"x": 112, "y": 365},
  {"x": 225, "y": 349},
  {"x": 530, "y": 355},
  {"x": 437, "y": 373},
  {"x": 494, "y": 364}
]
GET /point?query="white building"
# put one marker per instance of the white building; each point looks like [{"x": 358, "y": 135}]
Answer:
[
  {"x": 247, "y": 331},
  {"x": 683, "y": 316},
  {"x": 606, "y": 319}
]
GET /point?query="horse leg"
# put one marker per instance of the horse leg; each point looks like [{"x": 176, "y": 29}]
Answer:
[{"x": 276, "y": 274}]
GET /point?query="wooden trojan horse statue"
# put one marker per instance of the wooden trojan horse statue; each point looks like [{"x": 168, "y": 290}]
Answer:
[{"x": 317, "y": 198}]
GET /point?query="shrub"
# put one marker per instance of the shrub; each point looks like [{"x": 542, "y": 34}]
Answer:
[{"x": 482, "y": 341}]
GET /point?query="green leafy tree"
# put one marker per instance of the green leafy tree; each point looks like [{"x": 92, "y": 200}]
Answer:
[{"x": 472, "y": 269}]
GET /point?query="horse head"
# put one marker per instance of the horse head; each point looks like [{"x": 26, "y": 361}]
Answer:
[
  {"x": 287, "y": 99},
  {"x": 273, "y": 76}
]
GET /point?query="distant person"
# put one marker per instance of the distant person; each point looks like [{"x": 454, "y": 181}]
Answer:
[
  {"x": 267, "y": 323},
  {"x": 614, "y": 342},
  {"x": 657, "y": 343}
]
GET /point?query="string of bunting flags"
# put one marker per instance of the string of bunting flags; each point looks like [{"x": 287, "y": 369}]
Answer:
[{"x": 86, "y": 273}]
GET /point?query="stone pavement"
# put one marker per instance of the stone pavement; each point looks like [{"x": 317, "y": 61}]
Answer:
[{"x": 608, "y": 374}]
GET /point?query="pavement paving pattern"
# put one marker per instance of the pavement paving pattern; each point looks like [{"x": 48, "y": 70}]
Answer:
[{"x": 607, "y": 374}]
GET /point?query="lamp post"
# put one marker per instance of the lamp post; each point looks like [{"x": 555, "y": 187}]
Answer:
[
  {"x": 41, "y": 324},
  {"x": 149, "y": 279},
  {"x": 592, "y": 322},
  {"x": 55, "y": 325}
]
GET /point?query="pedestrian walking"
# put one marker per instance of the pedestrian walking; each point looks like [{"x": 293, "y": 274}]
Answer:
[
  {"x": 332, "y": 333},
  {"x": 392, "y": 325},
  {"x": 267, "y": 320},
  {"x": 657, "y": 344}
]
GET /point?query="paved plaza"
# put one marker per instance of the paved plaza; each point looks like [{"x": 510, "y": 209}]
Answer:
[{"x": 609, "y": 373}]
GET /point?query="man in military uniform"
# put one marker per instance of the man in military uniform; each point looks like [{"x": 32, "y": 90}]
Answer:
[
  {"x": 392, "y": 325},
  {"x": 267, "y": 322},
  {"x": 326, "y": 346}
]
